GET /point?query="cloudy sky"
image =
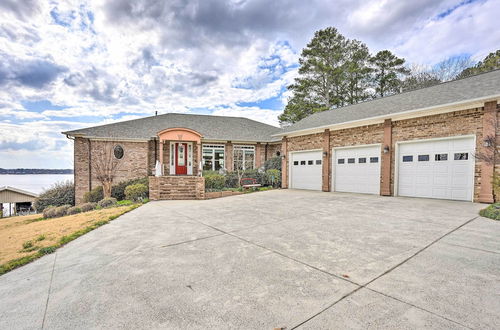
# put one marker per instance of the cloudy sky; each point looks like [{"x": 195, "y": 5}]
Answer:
[{"x": 71, "y": 64}]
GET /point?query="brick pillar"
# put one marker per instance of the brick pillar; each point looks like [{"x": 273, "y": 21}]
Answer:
[
  {"x": 385, "y": 176},
  {"x": 258, "y": 156},
  {"x": 198, "y": 160},
  {"x": 229, "y": 156},
  {"x": 487, "y": 168},
  {"x": 284, "y": 163},
  {"x": 162, "y": 161},
  {"x": 326, "y": 160}
]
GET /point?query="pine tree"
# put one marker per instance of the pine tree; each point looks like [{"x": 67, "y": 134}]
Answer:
[{"x": 387, "y": 69}]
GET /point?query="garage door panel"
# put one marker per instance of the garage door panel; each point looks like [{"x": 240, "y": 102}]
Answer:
[
  {"x": 306, "y": 170},
  {"x": 437, "y": 169},
  {"x": 357, "y": 170}
]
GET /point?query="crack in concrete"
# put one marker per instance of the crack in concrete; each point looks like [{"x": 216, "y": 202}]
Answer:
[{"x": 48, "y": 292}]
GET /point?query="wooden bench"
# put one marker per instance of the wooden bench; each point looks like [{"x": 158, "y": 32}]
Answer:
[{"x": 249, "y": 183}]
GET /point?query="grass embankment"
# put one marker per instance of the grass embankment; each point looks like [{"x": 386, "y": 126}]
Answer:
[
  {"x": 492, "y": 212},
  {"x": 26, "y": 238}
]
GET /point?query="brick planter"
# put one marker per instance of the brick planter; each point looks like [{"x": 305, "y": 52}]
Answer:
[
  {"x": 176, "y": 187},
  {"x": 218, "y": 194}
]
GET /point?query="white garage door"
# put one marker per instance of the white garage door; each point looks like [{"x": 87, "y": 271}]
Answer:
[
  {"x": 306, "y": 170},
  {"x": 437, "y": 169},
  {"x": 357, "y": 169}
]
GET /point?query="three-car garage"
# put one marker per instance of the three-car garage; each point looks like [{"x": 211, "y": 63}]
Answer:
[{"x": 434, "y": 168}]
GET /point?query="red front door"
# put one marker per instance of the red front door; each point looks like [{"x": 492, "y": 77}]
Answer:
[{"x": 181, "y": 158}]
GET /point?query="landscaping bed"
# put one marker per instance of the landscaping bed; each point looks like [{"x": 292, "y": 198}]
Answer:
[{"x": 492, "y": 212}]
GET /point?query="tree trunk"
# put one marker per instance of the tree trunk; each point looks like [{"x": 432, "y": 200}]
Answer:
[{"x": 106, "y": 188}]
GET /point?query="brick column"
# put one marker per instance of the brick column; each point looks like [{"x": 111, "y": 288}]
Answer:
[
  {"x": 162, "y": 145},
  {"x": 284, "y": 163},
  {"x": 199, "y": 160},
  {"x": 229, "y": 156},
  {"x": 326, "y": 160},
  {"x": 258, "y": 156},
  {"x": 385, "y": 175},
  {"x": 487, "y": 168}
]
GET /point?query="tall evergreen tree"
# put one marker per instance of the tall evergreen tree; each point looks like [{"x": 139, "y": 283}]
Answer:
[
  {"x": 333, "y": 72},
  {"x": 387, "y": 69},
  {"x": 489, "y": 63}
]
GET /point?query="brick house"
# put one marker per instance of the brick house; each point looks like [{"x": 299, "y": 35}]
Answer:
[
  {"x": 183, "y": 144},
  {"x": 431, "y": 142}
]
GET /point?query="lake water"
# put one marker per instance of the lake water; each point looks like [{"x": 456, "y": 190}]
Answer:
[{"x": 35, "y": 183}]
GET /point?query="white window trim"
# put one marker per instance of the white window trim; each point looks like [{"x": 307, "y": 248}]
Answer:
[
  {"x": 213, "y": 147},
  {"x": 244, "y": 147}
]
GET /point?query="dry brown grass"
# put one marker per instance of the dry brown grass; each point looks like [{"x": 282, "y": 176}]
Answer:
[{"x": 17, "y": 230}]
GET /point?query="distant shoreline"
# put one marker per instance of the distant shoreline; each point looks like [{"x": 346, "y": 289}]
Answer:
[{"x": 30, "y": 171}]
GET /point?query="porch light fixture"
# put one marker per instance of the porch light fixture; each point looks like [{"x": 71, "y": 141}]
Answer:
[
  {"x": 325, "y": 153},
  {"x": 386, "y": 149},
  {"x": 487, "y": 143}
]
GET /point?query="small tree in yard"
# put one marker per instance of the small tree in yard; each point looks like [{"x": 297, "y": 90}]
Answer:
[
  {"x": 239, "y": 165},
  {"x": 105, "y": 167}
]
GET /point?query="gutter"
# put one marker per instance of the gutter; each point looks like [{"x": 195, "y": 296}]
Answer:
[{"x": 448, "y": 107}]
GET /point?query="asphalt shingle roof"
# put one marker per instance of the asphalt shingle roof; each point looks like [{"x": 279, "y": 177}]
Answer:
[
  {"x": 475, "y": 87},
  {"x": 210, "y": 127}
]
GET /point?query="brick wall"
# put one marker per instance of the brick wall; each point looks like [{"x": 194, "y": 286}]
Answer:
[
  {"x": 176, "y": 187},
  {"x": 135, "y": 163}
]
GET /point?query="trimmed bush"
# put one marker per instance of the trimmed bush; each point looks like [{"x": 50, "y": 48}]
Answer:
[
  {"x": 118, "y": 190},
  {"x": 93, "y": 196},
  {"x": 136, "y": 192},
  {"x": 49, "y": 212},
  {"x": 61, "y": 211},
  {"x": 273, "y": 177},
  {"x": 273, "y": 164},
  {"x": 73, "y": 210},
  {"x": 214, "y": 181},
  {"x": 492, "y": 212},
  {"x": 59, "y": 194},
  {"x": 107, "y": 202},
  {"x": 85, "y": 207}
]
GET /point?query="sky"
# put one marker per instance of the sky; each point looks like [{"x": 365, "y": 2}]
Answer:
[{"x": 71, "y": 64}]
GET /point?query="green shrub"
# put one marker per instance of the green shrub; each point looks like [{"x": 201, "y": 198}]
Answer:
[
  {"x": 73, "y": 210},
  {"x": 273, "y": 164},
  {"x": 136, "y": 192},
  {"x": 214, "y": 181},
  {"x": 118, "y": 190},
  {"x": 40, "y": 238},
  {"x": 49, "y": 212},
  {"x": 107, "y": 202},
  {"x": 273, "y": 178},
  {"x": 492, "y": 212},
  {"x": 59, "y": 194},
  {"x": 94, "y": 195},
  {"x": 61, "y": 211},
  {"x": 85, "y": 207}
]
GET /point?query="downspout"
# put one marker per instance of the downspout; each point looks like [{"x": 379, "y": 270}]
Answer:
[
  {"x": 74, "y": 162},
  {"x": 265, "y": 152},
  {"x": 90, "y": 166}
]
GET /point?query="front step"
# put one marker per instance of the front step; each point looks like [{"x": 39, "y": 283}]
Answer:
[{"x": 176, "y": 187}]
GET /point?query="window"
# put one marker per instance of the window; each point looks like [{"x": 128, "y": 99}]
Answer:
[
  {"x": 362, "y": 160},
  {"x": 118, "y": 151},
  {"x": 351, "y": 160},
  {"x": 440, "y": 157},
  {"x": 341, "y": 161},
  {"x": 213, "y": 157},
  {"x": 318, "y": 161},
  {"x": 296, "y": 162},
  {"x": 310, "y": 162},
  {"x": 407, "y": 159},
  {"x": 302, "y": 162},
  {"x": 244, "y": 157},
  {"x": 461, "y": 156},
  {"x": 373, "y": 159},
  {"x": 423, "y": 158}
]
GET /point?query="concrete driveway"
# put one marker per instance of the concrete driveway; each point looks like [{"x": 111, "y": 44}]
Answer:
[{"x": 267, "y": 260}]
